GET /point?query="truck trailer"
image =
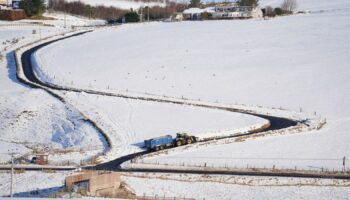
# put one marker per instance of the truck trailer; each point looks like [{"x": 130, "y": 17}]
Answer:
[
  {"x": 159, "y": 143},
  {"x": 168, "y": 141}
]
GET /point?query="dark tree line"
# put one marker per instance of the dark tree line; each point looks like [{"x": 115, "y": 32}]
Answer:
[
  {"x": 82, "y": 9},
  {"x": 158, "y": 12},
  {"x": 111, "y": 13}
]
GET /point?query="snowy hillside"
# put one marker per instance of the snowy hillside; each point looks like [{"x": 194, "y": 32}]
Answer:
[
  {"x": 32, "y": 120},
  {"x": 297, "y": 62},
  {"x": 277, "y": 63}
]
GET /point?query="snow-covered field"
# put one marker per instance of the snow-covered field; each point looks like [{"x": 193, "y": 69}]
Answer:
[
  {"x": 235, "y": 187},
  {"x": 296, "y": 62},
  {"x": 129, "y": 122}
]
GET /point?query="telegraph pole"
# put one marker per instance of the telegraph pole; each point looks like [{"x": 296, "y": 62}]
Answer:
[
  {"x": 65, "y": 23},
  {"x": 11, "y": 188},
  {"x": 148, "y": 13},
  {"x": 141, "y": 15},
  {"x": 40, "y": 31}
]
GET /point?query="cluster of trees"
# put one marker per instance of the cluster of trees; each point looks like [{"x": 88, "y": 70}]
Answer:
[
  {"x": 112, "y": 13},
  {"x": 33, "y": 7},
  {"x": 82, "y": 9},
  {"x": 197, "y": 3},
  {"x": 287, "y": 7},
  {"x": 157, "y": 12},
  {"x": 248, "y": 2}
]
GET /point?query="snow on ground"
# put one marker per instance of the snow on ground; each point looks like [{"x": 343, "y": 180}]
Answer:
[
  {"x": 26, "y": 183},
  {"x": 133, "y": 121},
  {"x": 31, "y": 119},
  {"x": 296, "y": 62},
  {"x": 177, "y": 63},
  {"x": 312, "y": 5},
  {"x": 122, "y": 4},
  {"x": 316, "y": 150},
  {"x": 59, "y": 20},
  {"x": 59, "y": 128},
  {"x": 236, "y": 187},
  {"x": 69, "y": 20}
]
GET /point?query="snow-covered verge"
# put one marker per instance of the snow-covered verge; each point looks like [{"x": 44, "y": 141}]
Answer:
[
  {"x": 33, "y": 120},
  {"x": 235, "y": 187},
  {"x": 129, "y": 122}
]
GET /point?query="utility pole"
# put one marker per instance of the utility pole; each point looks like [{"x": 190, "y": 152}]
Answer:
[
  {"x": 11, "y": 187},
  {"x": 141, "y": 16},
  {"x": 148, "y": 13},
  {"x": 65, "y": 23},
  {"x": 40, "y": 31},
  {"x": 344, "y": 159}
]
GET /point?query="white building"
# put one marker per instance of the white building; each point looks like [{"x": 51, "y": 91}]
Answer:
[
  {"x": 231, "y": 11},
  {"x": 195, "y": 13}
]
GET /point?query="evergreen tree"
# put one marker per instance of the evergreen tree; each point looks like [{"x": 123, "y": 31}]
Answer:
[
  {"x": 132, "y": 17},
  {"x": 248, "y": 2},
  {"x": 195, "y": 3},
  {"x": 33, "y": 7}
]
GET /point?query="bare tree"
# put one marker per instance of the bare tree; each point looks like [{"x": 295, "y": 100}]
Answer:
[
  {"x": 289, "y": 5},
  {"x": 270, "y": 12}
]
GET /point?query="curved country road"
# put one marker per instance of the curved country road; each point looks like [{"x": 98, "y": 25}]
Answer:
[{"x": 276, "y": 123}]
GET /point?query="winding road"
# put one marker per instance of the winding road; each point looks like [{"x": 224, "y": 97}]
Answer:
[{"x": 276, "y": 123}]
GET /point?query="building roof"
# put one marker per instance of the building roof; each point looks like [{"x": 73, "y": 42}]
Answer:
[{"x": 198, "y": 10}]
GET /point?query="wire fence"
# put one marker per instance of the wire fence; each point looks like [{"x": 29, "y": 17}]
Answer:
[{"x": 275, "y": 163}]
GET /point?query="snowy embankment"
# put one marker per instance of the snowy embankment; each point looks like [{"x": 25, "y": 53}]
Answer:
[{"x": 31, "y": 119}]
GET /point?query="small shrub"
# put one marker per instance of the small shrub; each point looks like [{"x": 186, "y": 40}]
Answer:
[
  {"x": 205, "y": 16},
  {"x": 279, "y": 11},
  {"x": 132, "y": 17}
]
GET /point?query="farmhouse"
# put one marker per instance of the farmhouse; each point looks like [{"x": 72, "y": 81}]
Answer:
[
  {"x": 223, "y": 11},
  {"x": 231, "y": 12}
]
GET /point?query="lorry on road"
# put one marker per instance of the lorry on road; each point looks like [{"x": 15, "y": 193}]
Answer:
[{"x": 168, "y": 141}]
